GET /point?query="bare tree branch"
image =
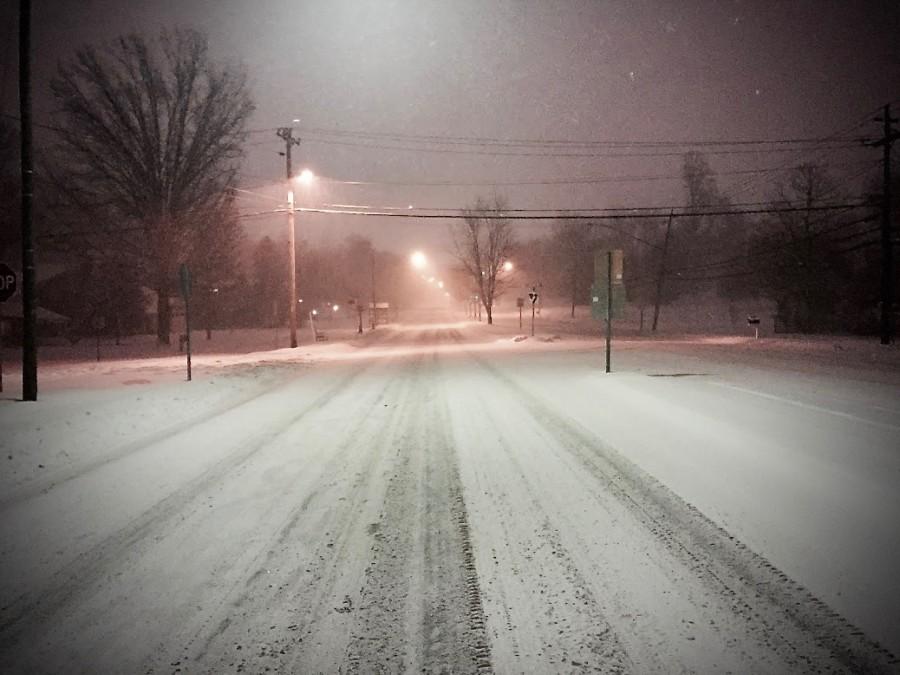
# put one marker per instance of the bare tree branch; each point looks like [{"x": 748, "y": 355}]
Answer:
[{"x": 153, "y": 137}]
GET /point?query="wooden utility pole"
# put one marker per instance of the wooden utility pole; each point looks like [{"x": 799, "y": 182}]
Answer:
[
  {"x": 29, "y": 289},
  {"x": 287, "y": 133},
  {"x": 609, "y": 307},
  {"x": 887, "y": 251},
  {"x": 373, "y": 318},
  {"x": 662, "y": 273}
]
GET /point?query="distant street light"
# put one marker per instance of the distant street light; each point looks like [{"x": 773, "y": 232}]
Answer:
[
  {"x": 306, "y": 177},
  {"x": 507, "y": 266},
  {"x": 335, "y": 308},
  {"x": 418, "y": 260}
]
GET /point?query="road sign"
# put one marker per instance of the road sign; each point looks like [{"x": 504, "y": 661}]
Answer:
[
  {"x": 520, "y": 302},
  {"x": 7, "y": 282},
  {"x": 598, "y": 300},
  {"x": 533, "y": 296},
  {"x": 600, "y": 264}
]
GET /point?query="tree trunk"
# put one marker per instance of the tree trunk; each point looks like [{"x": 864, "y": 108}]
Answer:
[
  {"x": 488, "y": 309},
  {"x": 574, "y": 294},
  {"x": 163, "y": 317}
]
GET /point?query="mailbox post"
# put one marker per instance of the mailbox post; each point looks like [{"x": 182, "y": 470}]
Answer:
[{"x": 753, "y": 320}]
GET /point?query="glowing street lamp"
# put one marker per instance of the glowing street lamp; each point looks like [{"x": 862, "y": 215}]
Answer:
[
  {"x": 507, "y": 266},
  {"x": 306, "y": 177},
  {"x": 418, "y": 260}
]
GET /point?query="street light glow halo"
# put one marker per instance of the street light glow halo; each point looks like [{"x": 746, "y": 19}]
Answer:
[{"x": 418, "y": 259}]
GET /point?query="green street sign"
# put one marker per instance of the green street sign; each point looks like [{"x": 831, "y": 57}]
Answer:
[{"x": 598, "y": 301}]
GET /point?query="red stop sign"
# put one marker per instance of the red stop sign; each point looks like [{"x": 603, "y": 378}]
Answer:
[{"x": 7, "y": 282}]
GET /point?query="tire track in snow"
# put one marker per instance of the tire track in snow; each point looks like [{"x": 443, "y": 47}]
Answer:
[
  {"x": 785, "y": 615},
  {"x": 33, "y": 489},
  {"x": 420, "y": 608},
  {"x": 23, "y": 617},
  {"x": 561, "y": 599},
  {"x": 292, "y": 608},
  {"x": 260, "y": 611}
]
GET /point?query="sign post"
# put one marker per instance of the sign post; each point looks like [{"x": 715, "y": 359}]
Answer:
[
  {"x": 7, "y": 290},
  {"x": 754, "y": 321},
  {"x": 533, "y": 296},
  {"x": 608, "y": 292},
  {"x": 184, "y": 274}
]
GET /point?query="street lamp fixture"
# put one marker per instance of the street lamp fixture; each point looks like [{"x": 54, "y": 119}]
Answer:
[
  {"x": 418, "y": 260},
  {"x": 507, "y": 266},
  {"x": 306, "y": 177}
]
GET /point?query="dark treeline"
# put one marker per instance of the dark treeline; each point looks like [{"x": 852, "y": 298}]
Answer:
[{"x": 820, "y": 268}]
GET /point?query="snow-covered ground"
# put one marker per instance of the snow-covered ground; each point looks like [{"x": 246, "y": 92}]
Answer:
[{"x": 455, "y": 497}]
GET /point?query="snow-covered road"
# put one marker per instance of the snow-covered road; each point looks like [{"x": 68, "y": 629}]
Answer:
[{"x": 439, "y": 500}]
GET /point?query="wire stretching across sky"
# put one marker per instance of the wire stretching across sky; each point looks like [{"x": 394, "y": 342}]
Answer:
[
  {"x": 484, "y": 141},
  {"x": 573, "y": 180},
  {"x": 541, "y": 214},
  {"x": 812, "y": 155},
  {"x": 547, "y": 153}
]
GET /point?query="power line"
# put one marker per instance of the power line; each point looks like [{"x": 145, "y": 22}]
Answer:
[
  {"x": 622, "y": 211},
  {"x": 863, "y": 121},
  {"x": 550, "y": 215},
  {"x": 574, "y": 180},
  {"x": 538, "y": 142},
  {"x": 605, "y": 155},
  {"x": 759, "y": 253},
  {"x": 775, "y": 248}
]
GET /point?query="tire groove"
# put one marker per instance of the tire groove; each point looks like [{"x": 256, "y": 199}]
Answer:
[
  {"x": 711, "y": 552},
  {"x": 26, "y": 613}
]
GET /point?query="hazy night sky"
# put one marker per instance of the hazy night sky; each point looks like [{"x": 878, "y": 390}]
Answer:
[{"x": 600, "y": 71}]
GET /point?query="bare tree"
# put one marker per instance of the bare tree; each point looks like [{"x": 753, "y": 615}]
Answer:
[
  {"x": 151, "y": 140},
  {"x": 572, "y": 244},
  {"x": 482, "y": 243},
  {"x": 798, "y": 265}
]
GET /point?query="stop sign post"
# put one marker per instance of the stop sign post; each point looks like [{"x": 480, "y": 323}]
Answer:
[{"x": 7, "y": 282}]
